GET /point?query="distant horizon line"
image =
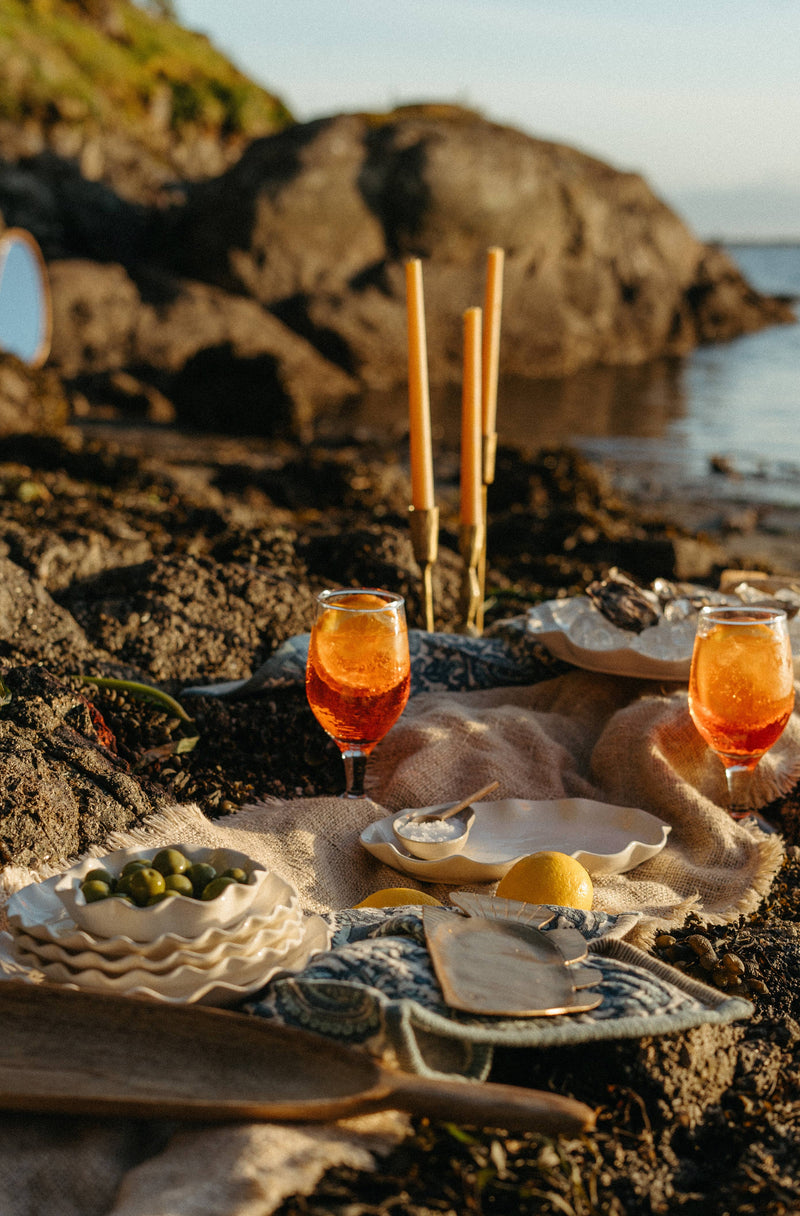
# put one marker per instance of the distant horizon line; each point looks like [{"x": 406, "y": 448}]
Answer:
[{"x": 774, "y": 241}]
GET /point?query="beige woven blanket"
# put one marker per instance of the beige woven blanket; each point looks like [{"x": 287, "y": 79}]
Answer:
[
  {"x": 578, "y": 735},
  {"x": 614, "y": 741}
]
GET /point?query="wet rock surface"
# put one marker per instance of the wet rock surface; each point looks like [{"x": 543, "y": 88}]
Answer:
[
  {"x": 63, "y": 787},
  {"x": 163, "y": 559}
]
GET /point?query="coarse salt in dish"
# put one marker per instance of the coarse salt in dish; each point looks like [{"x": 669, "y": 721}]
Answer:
[
  {"x": 434, "y": 838},
  {"x": 433, "y": 830}
]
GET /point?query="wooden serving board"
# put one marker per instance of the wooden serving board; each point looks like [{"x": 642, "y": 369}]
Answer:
[
  {"x": 503, "y": 968},
  {"x": 84, "y": 1053}
]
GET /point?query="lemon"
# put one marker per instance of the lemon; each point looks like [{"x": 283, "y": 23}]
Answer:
[
  {"x": 396, "y": 897},
  {"x": 548, "y": 878}
]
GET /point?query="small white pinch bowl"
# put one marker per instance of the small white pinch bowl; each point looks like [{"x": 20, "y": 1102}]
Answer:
[
  {"x": 180, "y": 914},
  {"x": 431, "y": 850}
]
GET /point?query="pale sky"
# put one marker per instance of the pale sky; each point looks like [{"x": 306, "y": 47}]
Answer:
[{"x": 702, "y": 97}]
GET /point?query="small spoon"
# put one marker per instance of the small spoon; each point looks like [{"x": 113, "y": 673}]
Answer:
[
  {"x": 426, "y": 816},
  {"x": 433, "y": 850}
]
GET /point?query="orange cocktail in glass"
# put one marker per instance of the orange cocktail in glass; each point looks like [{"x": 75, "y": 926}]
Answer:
[
  {"x": 741, "y": 687},
  {"x": 358, "y": 672}
]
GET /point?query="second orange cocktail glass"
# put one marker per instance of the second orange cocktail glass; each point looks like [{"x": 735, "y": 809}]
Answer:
[{"x": 741, "y": 689}]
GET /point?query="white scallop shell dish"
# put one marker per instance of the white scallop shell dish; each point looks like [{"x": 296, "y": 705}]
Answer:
[{"x": 183, "y": 915}]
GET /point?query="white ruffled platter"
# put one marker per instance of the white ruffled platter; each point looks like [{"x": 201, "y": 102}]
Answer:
[
  {"x": 605, "y": 839},
  {"x": 244, "y": 941},
  {"x": 38, "y": 911}
]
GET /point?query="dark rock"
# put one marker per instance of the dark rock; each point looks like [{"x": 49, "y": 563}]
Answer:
[
  {"x": 61, "y": 789},
  {"x": 191, "y": 620},
  {"x": 212, "y": 359},
  {"x": 33, "y": 628},
  {"x": 598, "y": 269},
  {"x": 31, "y": 399},
  {"x": 269, "y": 296}
]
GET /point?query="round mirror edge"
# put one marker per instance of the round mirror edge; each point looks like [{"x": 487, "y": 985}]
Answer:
[{"x": 7, "y": 238}]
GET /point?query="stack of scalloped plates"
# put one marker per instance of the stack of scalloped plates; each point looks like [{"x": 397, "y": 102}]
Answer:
[{"x": 219, "y": 965}]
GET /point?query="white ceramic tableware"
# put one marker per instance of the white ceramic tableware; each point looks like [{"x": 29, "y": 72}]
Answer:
[
  {"x": 179, "y": 914},
  {"x": 575, "y": 630},
  {"x": 37, "y": 911},
  {"x": 432, "y": 840},
  {"x": 242, "y": 942},
  {"x": 220, "y": 986},
  {"x": 605, "y": 839}
]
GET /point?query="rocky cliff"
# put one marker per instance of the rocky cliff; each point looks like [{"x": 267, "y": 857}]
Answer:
[{"x": 257, "y": 289}]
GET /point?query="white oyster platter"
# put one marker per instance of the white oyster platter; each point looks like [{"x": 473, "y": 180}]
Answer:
[
  {"x": 216, "y": 959},
  {"x": 574, "y": 629}
]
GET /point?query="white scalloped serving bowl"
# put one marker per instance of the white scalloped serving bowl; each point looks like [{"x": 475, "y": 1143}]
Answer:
[
  {"x": 180, "y": 914},
  {"x": 37, "y": 911}
]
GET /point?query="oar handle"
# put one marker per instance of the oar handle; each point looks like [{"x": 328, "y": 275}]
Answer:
[{"x": 488, "y": 1104}]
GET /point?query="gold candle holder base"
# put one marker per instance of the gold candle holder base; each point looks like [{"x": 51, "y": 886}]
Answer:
[
  {"x": 470, "y": 544},
  {"x": 424, "y": 526}
]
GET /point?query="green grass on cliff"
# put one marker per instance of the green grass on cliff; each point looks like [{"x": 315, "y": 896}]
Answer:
[{"x": 109, "y": 63}]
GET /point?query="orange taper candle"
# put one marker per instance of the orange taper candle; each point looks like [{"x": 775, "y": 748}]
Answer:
[
  {"x": 471, "y": 513},
  {"x": 419, "y": 410},
  {"x": 493, "y": 306}
]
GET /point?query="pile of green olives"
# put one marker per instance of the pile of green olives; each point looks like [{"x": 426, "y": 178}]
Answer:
[{"x": 143, "y": 883}]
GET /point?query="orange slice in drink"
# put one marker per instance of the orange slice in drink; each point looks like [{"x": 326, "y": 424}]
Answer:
[{"x": 362, "y": 650}]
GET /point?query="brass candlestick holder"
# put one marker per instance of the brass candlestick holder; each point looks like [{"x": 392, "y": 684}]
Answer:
[
  {"x": 470, "y": 544},
  {"x": 489, "y": 456},
  {"x": 424, "y": 525}
]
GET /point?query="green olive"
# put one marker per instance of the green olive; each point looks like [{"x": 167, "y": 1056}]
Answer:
[
  {"x": 123, "y": 884},
  {"x": 236, "y": 873},
  {"x": 200, "y": 875},
  {"x": 159, "y": 897},
  {"x": 178, "y": 884},
  {"x": 144, "y": 884},
  {"x": 217, "y": 886},
  {"x": 170, "y": 861},
  {"x": 99, "y": 875},
  {"x": 94, "y": 890},
  {"x": 136, "y": 863}
]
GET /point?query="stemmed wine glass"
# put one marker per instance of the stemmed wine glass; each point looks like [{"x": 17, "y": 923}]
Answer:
[
  {"x": 741, "y": 689},
  {"x": 358, "y": 672}
]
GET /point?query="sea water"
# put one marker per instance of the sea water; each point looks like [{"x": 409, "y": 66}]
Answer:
[
  {"x": 735, "y": 403},
  {"x": 662, "y": 424}
]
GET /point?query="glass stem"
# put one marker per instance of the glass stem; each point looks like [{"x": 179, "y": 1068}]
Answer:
[
  {"x": 738, "y": 779},
  {"x": 355, "y": 767}
]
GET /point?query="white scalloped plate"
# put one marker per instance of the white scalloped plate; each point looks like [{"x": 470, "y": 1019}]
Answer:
[
  {"x": 605, "y": 839},
  {"x": 222, "y": 986},
  {"x": 37, "y": 911},
  {"x": 244, "y": 944}
]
